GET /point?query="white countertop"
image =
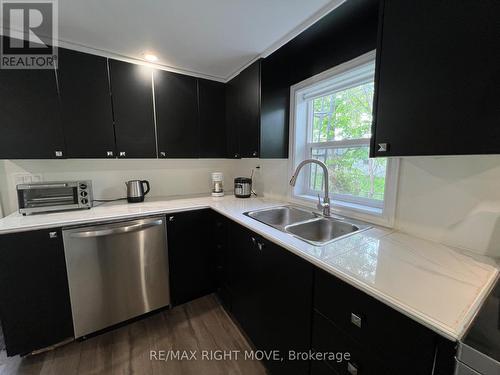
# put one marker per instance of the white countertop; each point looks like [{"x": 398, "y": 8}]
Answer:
[{"x": 431, "y": 283}]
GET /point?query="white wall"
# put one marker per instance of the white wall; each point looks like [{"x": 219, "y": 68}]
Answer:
[
  {"x": 452, "y": 200},
  {"x": 167, "y": 177}
]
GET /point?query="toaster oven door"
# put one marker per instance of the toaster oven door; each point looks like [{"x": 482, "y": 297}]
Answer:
[{"x": 50, "y": 197}]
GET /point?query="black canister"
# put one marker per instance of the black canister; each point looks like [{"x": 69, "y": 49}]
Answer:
[{"x": 242, "y": 187}]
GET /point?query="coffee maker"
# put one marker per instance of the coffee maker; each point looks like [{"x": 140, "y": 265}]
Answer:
[{"x": 217, "y": 184}]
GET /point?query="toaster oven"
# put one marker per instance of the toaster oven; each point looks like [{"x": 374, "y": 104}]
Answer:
[{"x": 54, "y": 196}]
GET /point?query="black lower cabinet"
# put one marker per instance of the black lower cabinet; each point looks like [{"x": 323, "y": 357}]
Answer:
[
  {"x": 271, "y": 298},
  {"x": 381, "y": 340},
  {"x": 35, "y": 305},
  {"x": 220, "y": 237},
  {"x": 343, "y": 354},
  {"x": 190, "y": 254}
]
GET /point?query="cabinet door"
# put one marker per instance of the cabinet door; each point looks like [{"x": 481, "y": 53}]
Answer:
[
  {"x": 212, "y": 106},
  {"x": 245, "y": 282},
  {"x": 286, "y": 292},
  {"x": 271, "y": 298},
  {"x": 232, "y": 120},
  {"x": 191, "y": 260},
  {"x": 132, "y": 94},
  {"x": 438, "y": 78},
  {"x": 249, "y": 110},
  {"x": 86, "y": 105},
  {"x": 275, "y": 105},
  {"x": 30, "y": 115},
  {"x": 34, "y": 297},
  {"x": 220, "y": 239},
  {"x": 176, "y": 115}
]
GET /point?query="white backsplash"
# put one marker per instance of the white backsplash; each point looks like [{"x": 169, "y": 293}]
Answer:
[
  {"x": 167, "y": 177},
  {"x": 452, "y": 200}
]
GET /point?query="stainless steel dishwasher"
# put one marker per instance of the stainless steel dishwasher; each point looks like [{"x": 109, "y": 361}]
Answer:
[{"x": 116, "y": 272}]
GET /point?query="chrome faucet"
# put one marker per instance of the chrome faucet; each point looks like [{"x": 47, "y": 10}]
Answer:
[{"x": 325, "y": 205}]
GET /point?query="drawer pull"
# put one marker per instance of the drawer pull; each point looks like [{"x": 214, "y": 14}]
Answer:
[
  {"x": 352, "y": 369},
  {"x": 356, "y": 320}
]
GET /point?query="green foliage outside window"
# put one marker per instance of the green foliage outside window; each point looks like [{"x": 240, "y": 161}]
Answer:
[{"x": 341, "y": 116}]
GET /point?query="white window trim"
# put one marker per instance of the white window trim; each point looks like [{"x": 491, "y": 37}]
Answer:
[{"x": 299, "y": 142}]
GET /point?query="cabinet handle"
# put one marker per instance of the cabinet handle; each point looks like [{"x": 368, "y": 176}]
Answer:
[
  {"x": 254, "y": 153},
  {"x": 123, "y": 153},
  {"x": 171, "y": 218},
  {"x": 58, "y": 153},
  {"x": 52, "y": 234},
  {"x": 236, "y": 155},
  {"x": 383, "y": 147},
  {"x": 356, "y": 320},
  {"x": 260, "y": 245},
  {"x": 254, "y": 241},
  {"x": 352, "y": 368},
  {"x": 163, "y": 154},
  {"x": 109, "y": 153}
]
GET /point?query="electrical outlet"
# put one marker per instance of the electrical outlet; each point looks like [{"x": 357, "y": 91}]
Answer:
[
  {"x": 26, "y": 178},
  {"x": 36, "y": 177}
]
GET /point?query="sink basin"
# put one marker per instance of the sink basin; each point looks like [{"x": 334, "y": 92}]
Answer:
[
  {"x": 281, "y": 216},
  {"x": 307, "y": 225},
  {"x": 322, "y": 230}
]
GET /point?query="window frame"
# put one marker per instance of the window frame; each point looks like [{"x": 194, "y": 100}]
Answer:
[{"x": 301, "y": 148}]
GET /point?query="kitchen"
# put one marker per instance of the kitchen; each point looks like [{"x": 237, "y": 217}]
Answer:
[{"x": 158, "y": 218}]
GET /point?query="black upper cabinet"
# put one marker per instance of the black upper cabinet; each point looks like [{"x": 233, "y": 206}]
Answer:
[
  {"x": 34, "y": 298},
  {"x": 86, "y": 105},
  {"x": 438, "y": 78},
  {"x": 232, "y": 120},
  {"x": 243, "y": 113},
  {"x": 30, "y": 121},
  {"x": 132, "y": 93},
  {"x": 191, "y": 258},
  {"x": 249, "y": 110},
  {"x": 176, "y": 100},
  {"x": 212, "y": 106},
  {"x": 275, "y": 106}
]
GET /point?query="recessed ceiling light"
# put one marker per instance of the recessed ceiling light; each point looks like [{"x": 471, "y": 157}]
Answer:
[{"x": 150, "y": 57}]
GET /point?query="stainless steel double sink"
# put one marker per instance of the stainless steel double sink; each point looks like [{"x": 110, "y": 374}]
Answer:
[{"x": 308, "y": 226}]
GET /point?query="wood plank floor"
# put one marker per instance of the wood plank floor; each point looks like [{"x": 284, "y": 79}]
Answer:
[{"x": 196, "y": 326}]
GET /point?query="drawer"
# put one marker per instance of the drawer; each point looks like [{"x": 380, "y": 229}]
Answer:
[
  {"x": 392, "y": 336},
  {"x": 327, "y": 338}
]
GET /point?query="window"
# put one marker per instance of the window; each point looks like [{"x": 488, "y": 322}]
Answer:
[{"x": 332, "y": 123}]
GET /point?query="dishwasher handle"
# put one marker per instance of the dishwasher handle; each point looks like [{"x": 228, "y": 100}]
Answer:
[{"x": 118, "y": 230}]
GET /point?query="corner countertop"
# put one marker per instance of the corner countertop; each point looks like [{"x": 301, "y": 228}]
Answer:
[{"x": 433, "y": 284}]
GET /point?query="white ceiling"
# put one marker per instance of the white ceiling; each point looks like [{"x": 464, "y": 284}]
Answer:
[{"x": 212, "y": 38}]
